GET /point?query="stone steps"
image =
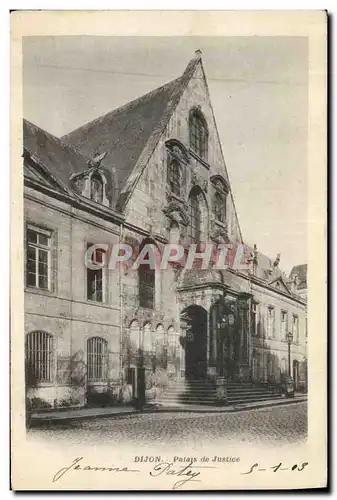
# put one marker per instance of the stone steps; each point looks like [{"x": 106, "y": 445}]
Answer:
[{"x": 203, "y": 393}]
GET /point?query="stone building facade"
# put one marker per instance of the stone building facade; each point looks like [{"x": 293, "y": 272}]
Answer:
[{"x": 149, "y": 173}]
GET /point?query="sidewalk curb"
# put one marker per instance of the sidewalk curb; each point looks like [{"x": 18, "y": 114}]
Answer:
[{"x": 53, "y": 419}]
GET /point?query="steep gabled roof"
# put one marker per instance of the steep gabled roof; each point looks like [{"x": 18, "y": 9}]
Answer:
[
  {"x": 128, "y": 135},
  {"x": 51, "y": 154},
  {"x": 301, "y": 271}
]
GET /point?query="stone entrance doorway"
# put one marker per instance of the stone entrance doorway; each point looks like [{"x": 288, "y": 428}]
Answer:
[{"x": 195, "y": 320}]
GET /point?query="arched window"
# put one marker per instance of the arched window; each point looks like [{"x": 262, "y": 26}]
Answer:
[
  {"x": 198, "y": 134},
  {"x": 174, "y": 177},
  {"x": 194, "y": 212},
  {"x": 219, "y": 207},
  {"x": 40, "y": 356},
  {"x": 96, "y": 188},
  {"x": 97, "y": 359}
]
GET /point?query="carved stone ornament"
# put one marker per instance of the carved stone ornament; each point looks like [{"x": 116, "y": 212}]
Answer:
[
  {"x": 177, "y": 150},
  {"x": 175, "y": 211},
  {"x": 220, "y": 234}
]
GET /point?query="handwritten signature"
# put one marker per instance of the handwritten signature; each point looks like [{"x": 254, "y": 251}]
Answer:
[
  {"x": 184, "y": 474},
  {"x": 275, "y": 468},
  {"x": 167, "y": 469},
  {"x": 75, "y": 466}
]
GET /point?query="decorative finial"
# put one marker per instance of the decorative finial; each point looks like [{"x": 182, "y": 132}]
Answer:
[
  {"x": 96, "y": 160},
  {"x": 277, "y": 260},
  {"x": 198, "y": 53}
]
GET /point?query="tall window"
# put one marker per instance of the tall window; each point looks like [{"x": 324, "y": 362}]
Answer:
[
  {"x": 174, "y": 177},
  {"x": 219, "y": 207},
  {"x": 96, "y": 188},
  {"x": 96, "y": 277},
  {"x": 198, "y": 134},
  {"x": 39, "y": 356},
  {"x": 194, "y": 210},
  {"x": 284, "y": 322},
  {"x": 253, "y": 319},
  {"x": 295, "y": 329},
  {"x": 97, "y": 359},
  {"x": 38, "y": 258},
  {"x": 146, "y": 278},
  {"x": 271, "y": 322}
]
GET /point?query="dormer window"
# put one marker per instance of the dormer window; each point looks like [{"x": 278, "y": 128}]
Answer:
[
  {"x": 93, "y": 184},
  {"x": 174, "y": 177},
  {"x": 96, "y": 188},
  {"x": 198, "y": 133}
]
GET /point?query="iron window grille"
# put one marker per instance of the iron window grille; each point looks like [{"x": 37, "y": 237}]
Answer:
[
  {"x": 97, "y": 359},
  {"x": 40, "y": 356}
]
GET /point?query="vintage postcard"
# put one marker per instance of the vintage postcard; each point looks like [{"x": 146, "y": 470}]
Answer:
[{"x": 168, "y": 250}]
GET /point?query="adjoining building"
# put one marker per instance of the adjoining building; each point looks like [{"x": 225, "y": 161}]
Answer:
[{"x": 150, "y": 172}]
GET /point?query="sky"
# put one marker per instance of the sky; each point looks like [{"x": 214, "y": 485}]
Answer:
[{"x": 259, "y": 92}]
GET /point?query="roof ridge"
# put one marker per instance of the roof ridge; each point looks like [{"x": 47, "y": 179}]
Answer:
[{"x": 58, "y": 139}]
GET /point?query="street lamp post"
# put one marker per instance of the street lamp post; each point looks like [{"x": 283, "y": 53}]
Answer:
[{"x": 289, "y": 340}]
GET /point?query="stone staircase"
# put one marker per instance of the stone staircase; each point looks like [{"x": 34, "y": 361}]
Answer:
[{"x": 185, "y": 392}]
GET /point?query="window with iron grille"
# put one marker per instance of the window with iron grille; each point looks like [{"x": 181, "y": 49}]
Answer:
[
  {"x": 146, "y": 277},
  {"x": 96, "y": 277},
  {"x": 38, "y": 249},
  {"x": 174, "y": 177},
  {"x": 219, "y": 207},
  {"x": 40, "y": 356},
  {"x": 194, "y": 210},
  {"x": 96, "y": 188},
  {"x": 198, "y": 134},
  {"x": 97, "y": 359}
]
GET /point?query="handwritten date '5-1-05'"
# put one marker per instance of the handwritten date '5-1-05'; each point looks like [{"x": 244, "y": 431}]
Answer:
[{"x": 275, "y": 468}]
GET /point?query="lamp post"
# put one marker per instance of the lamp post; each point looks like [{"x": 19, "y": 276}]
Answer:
[{"x": 290, "y": 341}]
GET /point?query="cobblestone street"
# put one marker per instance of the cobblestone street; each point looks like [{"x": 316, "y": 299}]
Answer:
[{"x": 282, "y": 424}]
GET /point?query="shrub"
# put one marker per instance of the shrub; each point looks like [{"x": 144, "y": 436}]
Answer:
[
  {"x": 37, "y": 404},
  {"x": 68, "y": 402},
  {"x": 106, "y": 398}
]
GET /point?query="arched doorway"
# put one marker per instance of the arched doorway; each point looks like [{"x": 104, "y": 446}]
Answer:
[{"x": 194, "y": 321}]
